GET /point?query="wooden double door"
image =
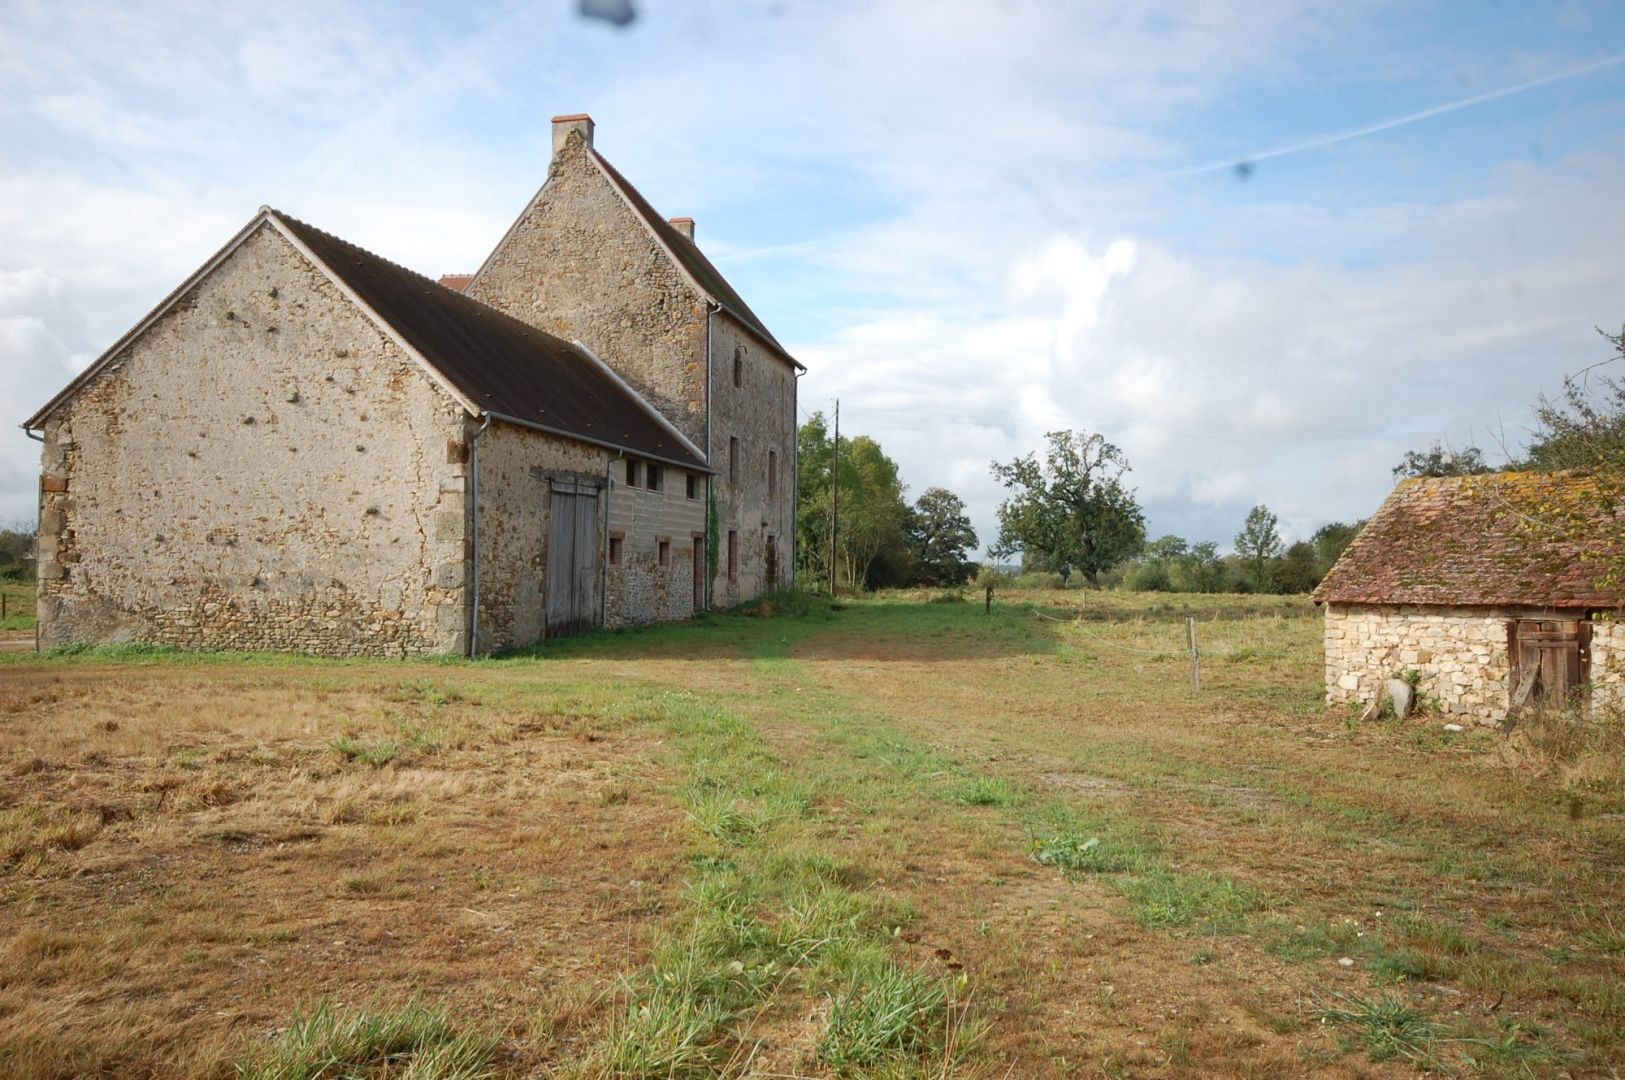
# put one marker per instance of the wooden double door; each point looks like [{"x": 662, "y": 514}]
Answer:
[{"x": 1550, "y": 658}]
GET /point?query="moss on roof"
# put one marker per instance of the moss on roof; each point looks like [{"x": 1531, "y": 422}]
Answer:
[{"x": 1501, "y": 539}]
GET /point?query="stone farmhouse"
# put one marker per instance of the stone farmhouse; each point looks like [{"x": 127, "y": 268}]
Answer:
[
  {"x": 307, "y": 447},
  {"x": 1494, "y": 589}
]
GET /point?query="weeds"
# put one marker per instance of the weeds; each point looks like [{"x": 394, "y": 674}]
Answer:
[
  {"x": 411, "y": 1041},
  {"x": 880, "y": 1015},
  {"x": 376, "y": 753},
  {"x": 1387, "y": 1027}
]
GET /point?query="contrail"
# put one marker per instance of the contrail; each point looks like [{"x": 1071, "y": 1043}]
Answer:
[{"x": 1318, "y": 141}]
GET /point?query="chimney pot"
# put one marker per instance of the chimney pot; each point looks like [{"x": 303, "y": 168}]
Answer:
[
  {"x": 564, "y": 126},
  {"x": 684, "y": 225}
]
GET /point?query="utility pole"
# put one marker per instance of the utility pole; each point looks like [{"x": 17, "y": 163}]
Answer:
[{"x": 835, "y": 495}]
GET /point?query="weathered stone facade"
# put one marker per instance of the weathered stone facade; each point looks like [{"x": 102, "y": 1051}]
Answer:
[
  {"x": 758, "y": 507},
  {"x": 582, "y": 263},
  {"x": 1460, "y": 654},
  {"x": 261, "y": 469},
  {"x": 516, "y": 468},
  {"x": 579, "y": 263}
]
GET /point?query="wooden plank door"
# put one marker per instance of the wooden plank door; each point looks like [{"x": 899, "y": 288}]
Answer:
[
  {"x": 1550, "y": 658},
  {"x": 572, "y": 560}
]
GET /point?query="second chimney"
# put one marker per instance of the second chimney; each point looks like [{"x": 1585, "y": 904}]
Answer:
[
  {"x": 684, "y": 225},
  {"x": 565, "y": 126}
]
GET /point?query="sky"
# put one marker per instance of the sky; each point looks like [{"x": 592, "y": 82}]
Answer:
[{"x": 1265, "y": 248}]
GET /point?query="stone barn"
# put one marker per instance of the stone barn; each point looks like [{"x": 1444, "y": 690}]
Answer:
[
  {"x": 1497, "y": 590},
  {"x": 307, "y": 447}
]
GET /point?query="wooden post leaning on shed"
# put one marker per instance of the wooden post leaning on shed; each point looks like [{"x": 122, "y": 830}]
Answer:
[{"x": 1196, "y": 658}]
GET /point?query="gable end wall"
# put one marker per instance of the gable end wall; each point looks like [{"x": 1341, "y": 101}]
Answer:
[{"x": 262, "y": 469}]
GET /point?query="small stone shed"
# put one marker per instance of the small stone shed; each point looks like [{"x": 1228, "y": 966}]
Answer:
[{"x": 1493, "y": 589}]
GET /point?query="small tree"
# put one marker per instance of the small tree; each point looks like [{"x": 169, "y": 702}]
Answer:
[
  {"x": 1257, "y": 543},
  {"x": 1438, "y": 461},
  {"x": 1074, "y": 507}
]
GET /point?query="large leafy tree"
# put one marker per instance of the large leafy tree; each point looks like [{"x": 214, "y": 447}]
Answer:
[
  {"x": 1257, "y": 543},
  {"x": 940, "y": 534},
  {"x": 1072, "y": 507}
]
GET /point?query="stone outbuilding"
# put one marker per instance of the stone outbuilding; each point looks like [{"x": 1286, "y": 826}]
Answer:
[
  {"x": 1496, "y": 590},
  {"x": 307, "y": 447}
]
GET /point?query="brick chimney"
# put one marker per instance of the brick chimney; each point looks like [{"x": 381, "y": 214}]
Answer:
[
  {"x": 563, "y": 126},
  {"x": 684, "y": 225}
]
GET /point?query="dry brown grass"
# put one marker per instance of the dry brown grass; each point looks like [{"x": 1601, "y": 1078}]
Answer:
[{"x": 192, "y": 849}]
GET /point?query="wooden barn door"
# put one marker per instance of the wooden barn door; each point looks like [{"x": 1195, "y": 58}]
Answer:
[
  {"x": 572, "y": 559},
  {"x": 1550, "y": 658}
]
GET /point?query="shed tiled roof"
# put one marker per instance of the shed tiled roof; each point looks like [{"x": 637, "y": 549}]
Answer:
[
  {"x": 457, "y": 282},
  {"x": 500, "y": 364},
  {"x": 693, "y": 259},
  {"x": 1500, "y": 540}
]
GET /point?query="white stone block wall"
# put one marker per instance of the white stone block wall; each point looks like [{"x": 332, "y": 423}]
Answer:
[
  {"x": 1460, "y": 653},
  {"x": 1608, "y": 661}
]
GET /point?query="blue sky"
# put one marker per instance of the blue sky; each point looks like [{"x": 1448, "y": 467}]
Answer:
[{"x": 974, "y": 222}]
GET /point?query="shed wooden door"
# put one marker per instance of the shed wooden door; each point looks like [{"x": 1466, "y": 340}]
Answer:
[
  {"x": 1550, "y": 658},
  {"x": 572, "y": 559}
]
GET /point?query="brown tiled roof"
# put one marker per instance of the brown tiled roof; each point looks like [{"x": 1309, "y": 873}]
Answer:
[
  {"x": 1501, "y": 539},
  {"x": 456, "y": 282},
  {"x": 708, "y": 277},
  {"x": 497, "y": 362}
]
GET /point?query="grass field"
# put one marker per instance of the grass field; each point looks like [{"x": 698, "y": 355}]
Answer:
[
  {"x": 19, "y": 606},
  {"x": 902, "y": 838}
]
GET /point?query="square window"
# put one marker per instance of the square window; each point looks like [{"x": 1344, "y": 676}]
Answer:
[
  {"x": 693, "y": 486},
  {"x": 631, "y": 472},
  {"x": 653, "y": 472},
  {"x": 615, "y": 547},
  {"x": 665, "y": 552}
]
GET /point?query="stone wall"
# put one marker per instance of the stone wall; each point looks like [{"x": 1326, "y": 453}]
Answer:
[
  {"x": 641, "y": 590},
  {"x": 579, "y": 263},
  {"x": 516, "y": 465},
  {"x": 1460, "y": 654},
  {"x": 1608, "y": 660},
  {"x": 762, "y": 415},
  {"x": 261, "y": 469}
]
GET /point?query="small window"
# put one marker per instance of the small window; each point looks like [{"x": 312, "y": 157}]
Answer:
[
  {"x": 631, "y": 472},
  {"x": 615, "y": 546},
  {"x": 655, "y": 479},
  {"x": 733, "y": 459},
  {"x": 733, "y": 555},
  {"x": 772, "y": 473},
  {"x": 665, "y": 552},
  {"x": 739, "y": 368},
  {"x": 693, "y": 486}
]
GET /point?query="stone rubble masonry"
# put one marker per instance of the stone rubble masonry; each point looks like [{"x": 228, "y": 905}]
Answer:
[
  {"x": 1460, "y": 653},
  {"x": 515, "y": 464},
  {"x": 579, "y": 263},
  {"x": 261, "y": 469}
]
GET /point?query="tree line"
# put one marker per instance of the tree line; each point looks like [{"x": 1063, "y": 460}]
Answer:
[{"x": 1070, "y": 511}]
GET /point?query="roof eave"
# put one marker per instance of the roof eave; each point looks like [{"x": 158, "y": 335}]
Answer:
[{"x": 608, "y": 444}]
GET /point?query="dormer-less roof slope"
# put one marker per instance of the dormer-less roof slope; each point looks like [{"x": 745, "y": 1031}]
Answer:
[
  {"x": 692, "y": 259},
  {"x": 1497, "y": 540},
  {"x": 492, "y": 362},
  {"x": 502, "y": 365}
]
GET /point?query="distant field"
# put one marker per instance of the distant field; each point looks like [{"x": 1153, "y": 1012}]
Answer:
[
  {"x": 902, "y": 838},
  {"x": 19, "y": 607}
]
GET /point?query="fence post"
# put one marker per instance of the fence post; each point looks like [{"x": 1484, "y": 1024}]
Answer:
[{"x": 1196, "y": 659}]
